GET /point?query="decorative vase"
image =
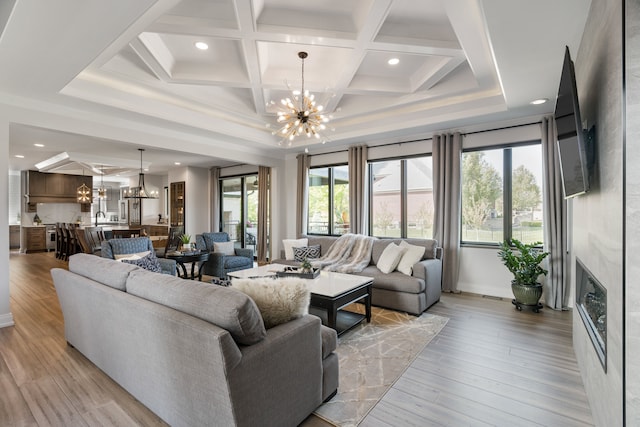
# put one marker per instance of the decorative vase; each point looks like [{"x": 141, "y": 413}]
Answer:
[{"x": 527, "y": 294}]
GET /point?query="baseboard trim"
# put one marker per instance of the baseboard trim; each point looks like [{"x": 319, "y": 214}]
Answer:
[{"x": 6, "y": 320}]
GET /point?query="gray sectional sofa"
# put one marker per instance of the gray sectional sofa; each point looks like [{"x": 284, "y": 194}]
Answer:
[
  {"x": 398, "y": 291},
  {"x": 194, "y": 353}
]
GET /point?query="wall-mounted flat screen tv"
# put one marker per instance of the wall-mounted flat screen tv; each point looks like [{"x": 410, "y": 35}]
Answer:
[{"x": 571, "y": 137}]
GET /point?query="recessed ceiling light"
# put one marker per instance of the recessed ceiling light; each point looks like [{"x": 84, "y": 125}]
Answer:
[
  {"x": 176, "y": 163},
  {"x": 146, "y": 169},
  {"x": 202, "y": 45},
  {"x": 39, "y": 145},
  {"x": 538, "y": 101},
  {"x": 20, "y": 156},
  {"x": 393, "y": 61}
]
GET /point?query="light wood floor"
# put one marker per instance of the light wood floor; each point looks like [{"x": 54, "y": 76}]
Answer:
[{"x": 491, "y": 365}]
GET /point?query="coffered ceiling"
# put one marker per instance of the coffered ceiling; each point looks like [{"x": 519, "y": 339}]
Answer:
[{"x": 461, "y": 63}]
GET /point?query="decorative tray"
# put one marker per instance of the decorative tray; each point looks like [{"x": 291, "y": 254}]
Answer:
[{"x": 296, "y": 272}]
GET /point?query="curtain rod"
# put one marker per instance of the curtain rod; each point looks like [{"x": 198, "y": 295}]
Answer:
[{"x": 429, "y": 139}]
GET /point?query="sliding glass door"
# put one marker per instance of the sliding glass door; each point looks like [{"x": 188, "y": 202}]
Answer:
[{"x": 239, "y": 210}]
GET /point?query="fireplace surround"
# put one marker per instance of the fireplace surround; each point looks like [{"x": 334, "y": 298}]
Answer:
[{"x": 591, "y": 303}]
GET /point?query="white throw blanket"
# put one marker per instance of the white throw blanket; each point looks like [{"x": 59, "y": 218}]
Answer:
[{"x": 350, "y": 253}]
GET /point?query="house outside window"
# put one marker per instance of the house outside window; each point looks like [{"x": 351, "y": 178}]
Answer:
[
  {"x": 401, "y": 198},
  {"x": 328, "y": 200},
  {"x": 502, "y": 195}
]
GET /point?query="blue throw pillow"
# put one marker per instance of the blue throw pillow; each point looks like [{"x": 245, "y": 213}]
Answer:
[{"x": 148, "y": 262}]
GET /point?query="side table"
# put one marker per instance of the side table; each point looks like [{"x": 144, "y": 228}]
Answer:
[{"x": 185, "y": 258}]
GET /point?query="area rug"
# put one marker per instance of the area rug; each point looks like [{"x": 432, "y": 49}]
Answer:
[{"x": 372, "y": 357}]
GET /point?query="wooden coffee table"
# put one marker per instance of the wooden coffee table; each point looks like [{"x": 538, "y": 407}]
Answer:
[
  {"x": 330, "y": 293},
  {"x": 193, "y": 258}
]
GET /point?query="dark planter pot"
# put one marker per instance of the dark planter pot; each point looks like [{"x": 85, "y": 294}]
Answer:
[{"x": 527, "y": 294}]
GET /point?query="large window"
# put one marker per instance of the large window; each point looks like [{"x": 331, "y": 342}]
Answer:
[
  {"x": 328, "y": 200},
  {"x": 502, "y": 194},
  {"x": 401, "y": 202}
]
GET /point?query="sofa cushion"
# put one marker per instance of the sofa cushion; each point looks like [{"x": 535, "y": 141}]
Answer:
[
  {"x": 325, "y": 242},
  {"x": 149, "y": 262},
  {"x": 234, "y": 261},
  {"x": 430, "y": 246},
  {"x": 412, "y": 255},
  {"x": 279, "y": 300},
  {"x": 226, "y": 248},
  {"x": 289, "y": 244},
  {"x": 306, "y": 252},
  {"x": 211, "y": 238},
  {"x": 222, "y": 306},
  {"x": 394, "y": 281},
  {"x": 104, "y": 270},
  {"x": 390, "y": 258},
  {"x": 133, "y": 256}
]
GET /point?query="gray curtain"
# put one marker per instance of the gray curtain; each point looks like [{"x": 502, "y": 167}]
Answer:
[
  {"x": 358, "y": 189},
  {"x": 264, "y": 215},
  {"x": 302, "y": 193},
  {"x": 556, "y": 286},
  {"x": 214, "y": 179},
  {"x": 447, "y": 151}
]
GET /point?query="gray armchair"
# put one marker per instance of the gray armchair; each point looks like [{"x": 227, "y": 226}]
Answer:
[
  {"x": 220, "y": 264},
  {"x": 112, "y": 247}
]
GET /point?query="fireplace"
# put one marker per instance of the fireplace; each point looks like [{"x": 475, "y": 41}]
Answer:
[{"x": 591, "y": 302}]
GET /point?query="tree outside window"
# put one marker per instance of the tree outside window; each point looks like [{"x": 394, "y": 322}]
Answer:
[{"x": 484, "y": 206}]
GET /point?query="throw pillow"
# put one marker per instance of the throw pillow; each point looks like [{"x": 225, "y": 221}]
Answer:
[
  {"x": 412, "y": 255},
  {"x": 121, "y": 257},
  {"x": 290, "y": 243},
  {"x": 279, "y": 300},
  {"x": 149, "y": 262},
  {"x": 306, "y": 252},
  {"x": 226, "y": 248},
  {"x": 390, "y": 258}
]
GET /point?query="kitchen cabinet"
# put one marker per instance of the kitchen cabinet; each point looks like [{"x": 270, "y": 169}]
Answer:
[
  {"x": 55, "y": 188},
  {"x": 177, "y": 203},
  {"x": 14, "y": 237},
  {"x": 36, "y": 239}
]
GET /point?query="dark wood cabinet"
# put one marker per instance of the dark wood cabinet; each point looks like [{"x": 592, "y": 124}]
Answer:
[
  {"x": 55, "y": 188},
  {"x": 37, "y": 183},
  {"x": 177, "y": 203},
  {"x": 14, "y": 237},
  {"x": 36, "y": 239}
]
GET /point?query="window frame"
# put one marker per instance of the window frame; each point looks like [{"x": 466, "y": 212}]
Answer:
[
  {"x": 404, "y": 223},
  {"x": 330, "y": 193},
  {"x": 507, "y": 190}
]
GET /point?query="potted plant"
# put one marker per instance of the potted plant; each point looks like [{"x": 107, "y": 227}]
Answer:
[
  {"x": 306, "y": 266},
  {"x": 185, "y": 239},
  {"x": 523, "y": 261}
]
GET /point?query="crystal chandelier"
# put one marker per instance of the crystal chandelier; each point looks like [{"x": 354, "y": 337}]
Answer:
[
  {"x": 140, "y": 192},
  {"x": 300, "y": 114}
]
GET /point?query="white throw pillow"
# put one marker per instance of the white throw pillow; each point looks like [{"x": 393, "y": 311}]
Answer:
[
  {"x": 412, "y": 255},
  {"x": 226, "y": 248},
  {"x": 289, "y": 244},
  {"x": 279, "y": 300},
  {"x": 390, "y": 258},
  {"x": 121, "y": 257}
]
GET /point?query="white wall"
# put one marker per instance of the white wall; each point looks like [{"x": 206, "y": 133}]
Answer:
[{"x": 198, "y": 207}]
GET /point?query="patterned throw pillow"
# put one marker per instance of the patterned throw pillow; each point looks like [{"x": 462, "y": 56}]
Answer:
[
  {"x": 148, "y": 262},
  {"x": 306, "y": 252}
]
